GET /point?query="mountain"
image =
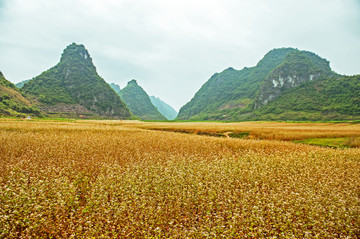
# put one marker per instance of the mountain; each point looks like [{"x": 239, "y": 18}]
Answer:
[
  {"x": 265, "y": 91},
  {"x": 231, "y": 89},
  {"x": 13, "y": 103},
  {"x": 139, "y": 102},
  {"x": 115, "y": 87},
  {"x": 21, "y": 84},
  {"x": 165, "y": 109},
  {"x": 74, "y": 88}
]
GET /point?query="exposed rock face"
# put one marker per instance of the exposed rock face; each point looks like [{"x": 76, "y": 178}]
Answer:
[
  {"x": 297, "y": 69},
  {"x": 67, "y": 108},
  {"x": 279, "y": 83}
]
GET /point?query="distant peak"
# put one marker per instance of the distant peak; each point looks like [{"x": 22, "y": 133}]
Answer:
[
  {"x": 74, "y": 45},
  {"x": 132, "y": 82},
  {"x": 75, "y": 51}
]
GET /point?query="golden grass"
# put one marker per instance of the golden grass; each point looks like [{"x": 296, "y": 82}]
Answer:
[
  {"x": 354, "y": 143},
  {"x": 263, "y": 130},
  {"x": 113, "y": 179}
]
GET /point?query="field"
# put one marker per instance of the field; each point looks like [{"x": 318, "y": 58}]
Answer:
[{"x": 130, "y": 179}]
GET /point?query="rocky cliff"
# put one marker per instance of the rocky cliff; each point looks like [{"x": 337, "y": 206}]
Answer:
[{"x": 296, "y": 69}]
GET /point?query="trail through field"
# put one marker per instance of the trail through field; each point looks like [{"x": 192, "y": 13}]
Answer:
[{"x": 227, "y": 134}]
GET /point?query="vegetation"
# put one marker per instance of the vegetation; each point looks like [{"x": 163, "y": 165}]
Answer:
[
  {"x": 326, "y": 98},
  {"x": 165, "y": 109},
  {"x": 308, "y": 90},
  {"x": 13, "y": 103},
  {"x": 88, "y": 179},
  {"x": 74, "y": 81},
  {"x": 139, "y": 102},
  {"x": 5, "y": 83}
]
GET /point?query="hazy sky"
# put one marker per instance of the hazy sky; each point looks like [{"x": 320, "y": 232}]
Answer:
[{"x": 172, "y": 47}]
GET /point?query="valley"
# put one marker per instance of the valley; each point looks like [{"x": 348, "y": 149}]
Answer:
[
  {"x": 179, "y": 119},
  {"x": 111, "y": 178}
]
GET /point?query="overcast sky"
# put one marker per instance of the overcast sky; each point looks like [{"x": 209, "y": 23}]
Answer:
[{"x": 172, "y": 47}]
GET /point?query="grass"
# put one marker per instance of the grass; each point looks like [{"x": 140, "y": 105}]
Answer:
[
  {"x": 108, "y": 179},
  {"x": 333, "y": 142}
]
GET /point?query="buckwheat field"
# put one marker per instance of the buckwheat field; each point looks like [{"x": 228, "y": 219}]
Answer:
[{"x": 128, "y": 179}]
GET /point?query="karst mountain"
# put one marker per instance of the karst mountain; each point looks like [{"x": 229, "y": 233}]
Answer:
[
  {"x": 139, "y": 102},
  {"x": 287, "y": 84},
  {"x": 74, "y": 88}
]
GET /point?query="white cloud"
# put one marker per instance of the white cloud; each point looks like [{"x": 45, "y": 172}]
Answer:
[{"x": 173, "y": 47}]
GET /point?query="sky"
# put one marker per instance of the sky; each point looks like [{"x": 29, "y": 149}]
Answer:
[{"x": 172, "y": 47}]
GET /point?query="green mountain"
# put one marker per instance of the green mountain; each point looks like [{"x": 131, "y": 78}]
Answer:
[
  {"x": 139, "y": 102},
  {"x": 13, "y": 103},
  {"x": 231, "y": 89},
  {"x": 21, "y": 84},
  {"x": 263, "y": 91},
  {"x": 165, "y": 109},
  {"x": 115, "y": 87},
  {"x": 73, "y": 88}
]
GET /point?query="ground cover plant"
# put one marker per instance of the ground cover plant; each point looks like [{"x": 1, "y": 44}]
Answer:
[
  {"x": 285, "y": 131},
  {"x": 108, "y": 179}
]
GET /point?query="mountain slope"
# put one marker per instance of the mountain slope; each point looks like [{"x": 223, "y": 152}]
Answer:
[
  {"x": 296, "y": 69},
  {"x": 12, "y": 102},
  {"x": 257, "y": 92},
  {"x": 74, "y": 87},
  {"x": 138, "y": 101},
  {"x": 326, "y": 98},
  {"x": 165, "y": 109}
]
